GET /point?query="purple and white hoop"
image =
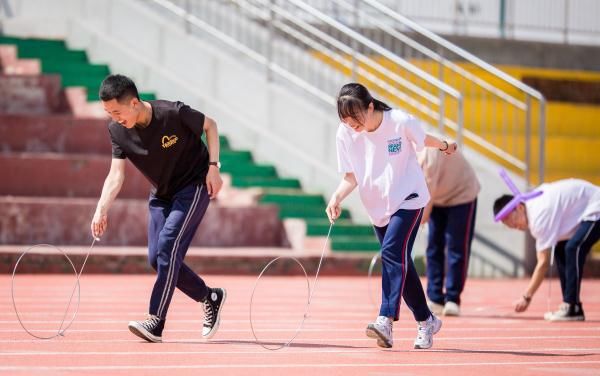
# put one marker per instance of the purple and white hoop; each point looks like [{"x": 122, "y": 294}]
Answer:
[{"x": 519, "y": 197}]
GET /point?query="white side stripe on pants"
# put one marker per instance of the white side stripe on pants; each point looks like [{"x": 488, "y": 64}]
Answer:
[
  {"x": 577, "y": 259},
  {"x": 174, "y": 251}
]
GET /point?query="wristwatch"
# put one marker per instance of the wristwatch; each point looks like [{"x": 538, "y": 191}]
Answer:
[{"x": 217, "y": 163}]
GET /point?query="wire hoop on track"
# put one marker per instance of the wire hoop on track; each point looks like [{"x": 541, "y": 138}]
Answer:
[
  {"x": 310, "y": 294},
  {"x": 60, "y": 332}
]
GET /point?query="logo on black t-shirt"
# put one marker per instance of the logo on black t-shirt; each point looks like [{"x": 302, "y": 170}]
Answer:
[{"x": 168, "y": 141}]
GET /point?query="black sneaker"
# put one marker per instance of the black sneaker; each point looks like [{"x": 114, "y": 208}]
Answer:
[
  {"x": 212, "y": 311},
  {"x": 149, "y": 329},
  {"x": 566, "y": 312}
]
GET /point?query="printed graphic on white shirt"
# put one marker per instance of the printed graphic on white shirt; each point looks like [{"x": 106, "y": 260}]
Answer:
[{"x": 394, "y": 146}]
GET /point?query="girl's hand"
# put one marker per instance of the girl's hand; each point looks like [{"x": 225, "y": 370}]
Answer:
[
  {"x": 333, "y": 209},
  {"x": 449, "y": 147},
  {"x": 522, "y": 304}
]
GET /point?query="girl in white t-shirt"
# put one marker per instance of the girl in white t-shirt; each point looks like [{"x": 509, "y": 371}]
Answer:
[{"x": 376, "y": 152}]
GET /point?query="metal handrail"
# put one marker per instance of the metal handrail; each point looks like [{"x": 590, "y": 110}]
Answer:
[
  {"x": 454, "y": 48},
  {"x": 527, "y": 90},
  {"x": 408, "y": 99},
  {"x": 231, "y": 42},
  {"x": 307, "y": 29},
  {"x": 365, "y": 59},
  {"x": 375, "y": 47},
  {"x": 437, "y": 58}
]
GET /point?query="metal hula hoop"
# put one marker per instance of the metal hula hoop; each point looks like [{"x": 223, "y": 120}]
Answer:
[
  {"x": 76, "y": 287},
  {"x": 307, "y": 304},
  {"x": 310, "y": 293}
]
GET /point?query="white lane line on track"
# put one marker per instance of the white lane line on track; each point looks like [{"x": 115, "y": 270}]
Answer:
[
  {"x": 315, "y": 351},
  {"x": 216, "y": 341},
  {"x": 289, "y": 365},
  {"x": 272, "y": 328}
]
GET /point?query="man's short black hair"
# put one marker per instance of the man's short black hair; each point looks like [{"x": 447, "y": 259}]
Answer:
[
  {"x": 501, "y": 202},
  {"x": 119, "y": 87}
]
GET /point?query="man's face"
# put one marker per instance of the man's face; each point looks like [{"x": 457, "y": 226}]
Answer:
[
  {"x": 517, "y": 219},
  {"x": 125, "y": 113}
]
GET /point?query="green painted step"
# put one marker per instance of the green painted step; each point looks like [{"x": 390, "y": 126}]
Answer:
[
  {"x": 301, "y": 199},
  {"x": 303, "y": 211},
  {"x": 92, "y": 94},
  {"x": 355, "y": 243},
  {"x": 89, "y": 81},
  {"x": 32, "y": 41},
  {"x": 320, "y": 227},
  {"x": 235, "y": 156},
  {"x": 283, "y": 191},
  {"x": 246, "y": 182},
  {"x": 56, "y": 54},
  {"x": 74, "y": 68},
  {"x": 249, "y": 170},
  {"x": 147, "y": 96},
  {"x": 223, "y": 142}
]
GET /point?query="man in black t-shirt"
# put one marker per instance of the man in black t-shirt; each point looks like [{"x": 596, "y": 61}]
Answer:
[{"x": 162, "y": 140}]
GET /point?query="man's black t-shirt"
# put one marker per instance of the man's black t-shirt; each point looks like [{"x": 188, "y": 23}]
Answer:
[{"x": 169, "y": 151}]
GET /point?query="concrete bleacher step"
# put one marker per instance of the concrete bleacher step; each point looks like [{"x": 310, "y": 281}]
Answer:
[
  {"x": 345, "y": 235},
  {"x": 64, "y": 175},
  {"x": 354, "y": 243},
  {"x": 205, "y": 260},
  {"x": 319, "y": 227},
  {"x": 54, "y": 220},
  {"x": 32, "y": 95},
  {"x": 72, "y": 65},
  {"x": 67, "y": 134},
  {"x": 271, "y": 182},
  {"x": 53, "y": 133}
]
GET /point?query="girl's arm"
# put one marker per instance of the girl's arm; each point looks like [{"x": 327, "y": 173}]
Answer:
[
  {"x": 346, "y": 186},
  {"x": 442, "y": 145}
]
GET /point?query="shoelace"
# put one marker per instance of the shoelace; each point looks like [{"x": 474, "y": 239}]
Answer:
[
  {"x": 208, "y": 313},
  {"x": 151, "y": 322},
  {"x": 385, "y": 324},
  {"x": 423, "y": 329}
]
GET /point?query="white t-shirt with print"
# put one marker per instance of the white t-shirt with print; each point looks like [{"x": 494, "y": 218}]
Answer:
[
  {"x": 385, "y": 164},
  {"x": 555, "y": 215}
]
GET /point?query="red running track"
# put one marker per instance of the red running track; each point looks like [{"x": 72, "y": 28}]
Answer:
[{"x": 487, "y": 339}]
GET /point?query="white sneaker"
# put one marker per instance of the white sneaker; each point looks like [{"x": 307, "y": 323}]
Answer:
[
  {"x": 435, "y": 308},
  {"x": 425, "y": 331},
  {"x": 451, "y": 309},
  {"x": 381, "y": 330},
  {"x": 566, "y": 312}
]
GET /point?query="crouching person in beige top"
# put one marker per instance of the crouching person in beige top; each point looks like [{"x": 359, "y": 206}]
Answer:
[{"x": 450, "y": 214}]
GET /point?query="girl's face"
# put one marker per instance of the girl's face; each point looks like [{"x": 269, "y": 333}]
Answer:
[{"x": 365, "y": 121}]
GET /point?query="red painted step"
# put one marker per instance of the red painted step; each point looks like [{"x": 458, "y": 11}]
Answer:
[
  {"x": 54, "y": 133},
  {"x": 64, "y": 175},
  {"x": 29, "y": 220},
  {"x": 32, "y": 94}
]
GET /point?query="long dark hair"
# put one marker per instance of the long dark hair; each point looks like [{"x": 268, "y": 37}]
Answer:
[{"x": 354, "y": 99}]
